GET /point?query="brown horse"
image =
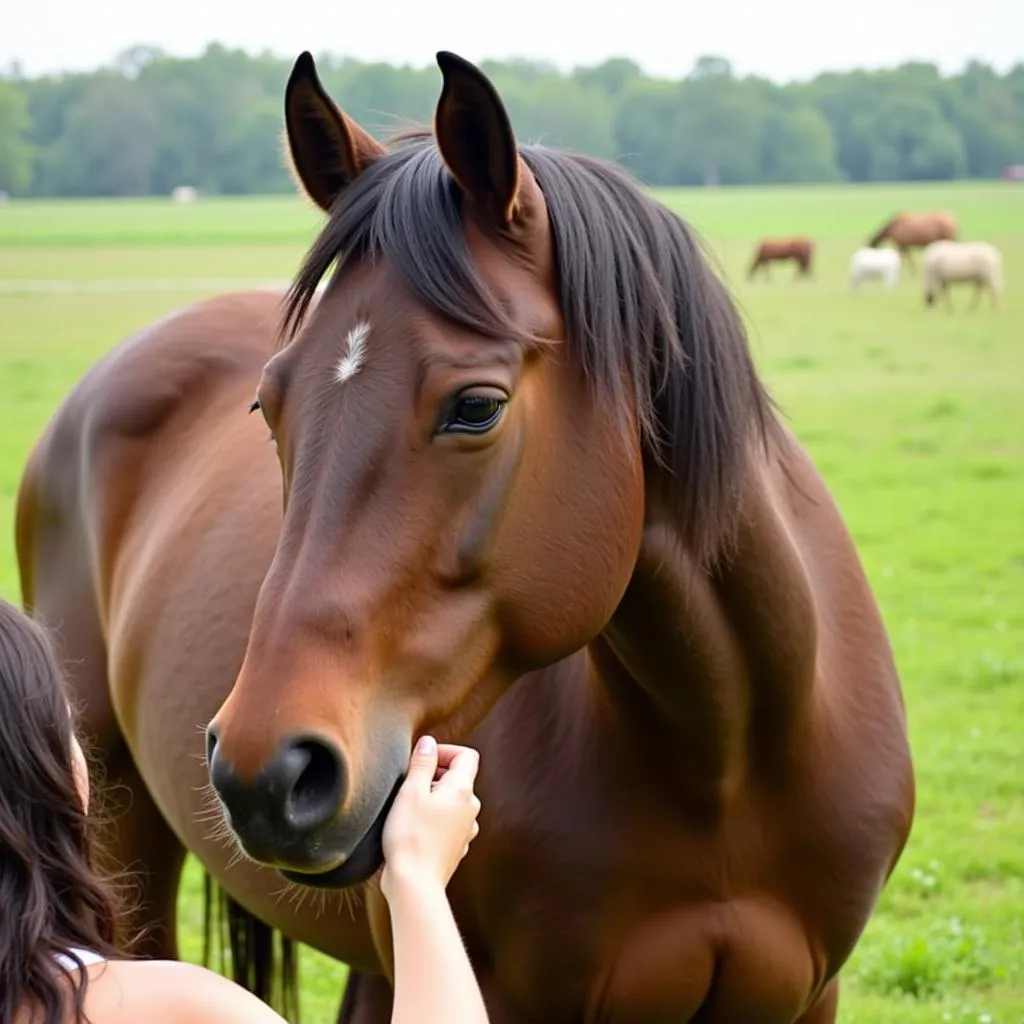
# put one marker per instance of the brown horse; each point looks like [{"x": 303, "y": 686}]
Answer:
[
  {"x": 780, "y": 250},
  {"x": 909, "y": 231},
  {"x": 535, "y": 499}
]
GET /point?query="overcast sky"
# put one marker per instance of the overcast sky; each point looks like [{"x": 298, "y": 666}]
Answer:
[{"x": 783, "y": 39}]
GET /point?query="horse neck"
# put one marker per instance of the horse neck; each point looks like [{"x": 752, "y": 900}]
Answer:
[
  {"x": 884, "y": 232},
  {"x": 692, "y": 656}
]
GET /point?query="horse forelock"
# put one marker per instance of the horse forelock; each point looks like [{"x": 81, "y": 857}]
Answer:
[{"x": 636, "y": 292}]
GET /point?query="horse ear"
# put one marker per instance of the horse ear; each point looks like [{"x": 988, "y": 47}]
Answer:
[
  {"x": 327, "y": 150},
  {"x": 475, "y": 138}
]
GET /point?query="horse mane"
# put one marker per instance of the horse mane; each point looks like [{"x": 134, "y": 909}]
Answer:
[
  {"x": 883, "y": 232},
  {"x": 636, "y": 294}
]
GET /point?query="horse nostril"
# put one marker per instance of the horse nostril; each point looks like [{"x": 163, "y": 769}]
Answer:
[
  {"x": 211, "y": 744},
  {"x": 317, "y": 777}
]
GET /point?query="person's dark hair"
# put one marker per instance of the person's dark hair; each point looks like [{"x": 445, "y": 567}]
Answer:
[{"x": 51, "y": 898}]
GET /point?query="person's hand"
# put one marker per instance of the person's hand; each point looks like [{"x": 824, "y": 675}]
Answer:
[{"x": 433, "y": 819}]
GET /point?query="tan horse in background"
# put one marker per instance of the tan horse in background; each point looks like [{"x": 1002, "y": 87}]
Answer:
[
  {"x": 909, "y": 231},
  {"x": 977, "y": 263}
]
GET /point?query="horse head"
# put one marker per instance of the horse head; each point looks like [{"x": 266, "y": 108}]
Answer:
[{"x": 466, "y": 422}]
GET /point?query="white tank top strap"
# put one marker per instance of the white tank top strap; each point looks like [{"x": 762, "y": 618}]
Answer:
[{"x": 86, "y": 956}]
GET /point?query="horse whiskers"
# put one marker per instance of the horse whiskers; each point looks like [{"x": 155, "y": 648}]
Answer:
[
  {"x": 322, "y": 901},
  {"x": 350, "y": 899},
  {"x": 217, "y": 829},
  {"x": 299, "y": 895}
]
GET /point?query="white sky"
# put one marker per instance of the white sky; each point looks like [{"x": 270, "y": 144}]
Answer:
[{"x": 783, "y": 39}]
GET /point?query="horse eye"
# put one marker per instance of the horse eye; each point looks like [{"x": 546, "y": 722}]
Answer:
[
  {"x": 253, "y": 408},
  {"x": 474, "y": 414}
]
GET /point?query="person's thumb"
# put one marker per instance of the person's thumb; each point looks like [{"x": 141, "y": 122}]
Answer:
[{"x": 423, "y": 763}]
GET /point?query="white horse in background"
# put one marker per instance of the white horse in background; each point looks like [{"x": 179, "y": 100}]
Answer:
[
  {"x": 977, "y": 263},
  {"x": 881, "y": 264}
]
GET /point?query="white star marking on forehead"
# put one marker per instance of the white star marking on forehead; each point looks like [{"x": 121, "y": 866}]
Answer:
[{"x": 355, "y": 352}]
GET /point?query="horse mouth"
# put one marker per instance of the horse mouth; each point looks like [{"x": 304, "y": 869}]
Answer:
[{"x": 359, "y": 866}]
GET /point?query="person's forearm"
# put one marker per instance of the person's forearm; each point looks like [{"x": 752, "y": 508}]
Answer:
[{"x": 434, "y": 982}]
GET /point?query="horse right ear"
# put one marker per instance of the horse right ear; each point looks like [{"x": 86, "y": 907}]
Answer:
[{"x": 326, "y": 149}]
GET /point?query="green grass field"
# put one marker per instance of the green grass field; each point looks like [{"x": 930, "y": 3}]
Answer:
[{"x": 915, "y": 417}]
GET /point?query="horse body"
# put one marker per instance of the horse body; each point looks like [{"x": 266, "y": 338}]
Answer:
[
  {"x": 780, "y": 250},
  {"x": 695, "y": 773},
  {"x": 909, "y": 231},
  {"x": 867, "y": 263},
  {"x": 977, "y": 263}
]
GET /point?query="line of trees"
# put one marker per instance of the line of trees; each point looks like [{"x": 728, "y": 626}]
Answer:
[{"x": 151, "y": 122}]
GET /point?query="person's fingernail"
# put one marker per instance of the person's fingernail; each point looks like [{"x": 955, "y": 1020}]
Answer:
[{"x": 425, "y": 745}]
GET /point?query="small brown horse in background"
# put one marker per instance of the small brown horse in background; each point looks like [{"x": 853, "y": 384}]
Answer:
[
  {"x": 779, "y": 250},
  {"x": 909, "y": 231},
  {"x": 536, "y": 499}
]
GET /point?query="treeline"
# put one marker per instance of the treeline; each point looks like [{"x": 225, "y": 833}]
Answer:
[{"x": 152, "y": 122}]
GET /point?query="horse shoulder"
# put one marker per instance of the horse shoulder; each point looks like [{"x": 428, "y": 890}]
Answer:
[
  {"x": 90, "y": 463},
  {"x": 179, "y": 362},
  {"x": 857, "y": 702}
]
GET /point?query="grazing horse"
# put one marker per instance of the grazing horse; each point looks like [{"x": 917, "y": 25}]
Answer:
[
  {"x": 977, "y": 263},
  {"x": 535, "y": 499},
  {"x": 779, "y": 250},
  {"x": 883, "y": 264},
  {"x": 909, "y": 231}
]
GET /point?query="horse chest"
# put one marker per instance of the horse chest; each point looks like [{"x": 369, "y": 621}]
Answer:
[
  {"x": 569, "y": 949},
  {"x": 607, "y": 911}
]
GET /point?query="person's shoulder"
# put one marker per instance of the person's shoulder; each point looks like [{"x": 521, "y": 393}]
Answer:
[{"x": 170, "y": 992}]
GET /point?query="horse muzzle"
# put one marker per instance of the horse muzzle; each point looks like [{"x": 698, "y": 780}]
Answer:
[{"x": 296, "y": 813}]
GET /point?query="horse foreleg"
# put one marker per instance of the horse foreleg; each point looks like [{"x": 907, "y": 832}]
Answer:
[
  {"x": 141, "y": 843},
  {"x": 368, "y": 1000},
  {"x": 826, "y": 1007}
]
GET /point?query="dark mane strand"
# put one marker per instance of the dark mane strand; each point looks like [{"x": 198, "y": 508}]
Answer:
[
  {"x": 404, "y": 207},
  {"x": 636, "y": 292}
]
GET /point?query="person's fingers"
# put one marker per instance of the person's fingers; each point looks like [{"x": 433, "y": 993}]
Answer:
[
  {"x": 474, "y": 831},
  {"x": 423, "y": 763},
  {"x": 447, "y": 752},
  {"x": 462, "y": 770}
]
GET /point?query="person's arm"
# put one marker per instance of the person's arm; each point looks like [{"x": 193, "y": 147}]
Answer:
[
  {"x": 428, "y": 832},
  {"x": 434, "y": 982}
]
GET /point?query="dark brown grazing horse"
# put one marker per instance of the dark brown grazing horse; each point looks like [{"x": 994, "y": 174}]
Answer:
[
  {"x": 780, "y": 250},
  {"x": 909, "y": 231},
  {"x": 536, "y": 499}
]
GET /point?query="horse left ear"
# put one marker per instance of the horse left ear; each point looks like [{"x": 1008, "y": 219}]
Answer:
[
  {"x": 328, "y": 150},
  {"x": 475, "y": 137}
]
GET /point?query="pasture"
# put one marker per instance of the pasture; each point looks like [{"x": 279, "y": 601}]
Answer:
[{"x": 915, "y": 417}]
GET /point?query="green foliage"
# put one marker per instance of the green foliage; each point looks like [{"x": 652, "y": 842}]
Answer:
[
  {"x": 15, "y": 149},
  {"x": 152, "y": 122},
  {"x": 945, "y": 958}
]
